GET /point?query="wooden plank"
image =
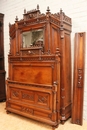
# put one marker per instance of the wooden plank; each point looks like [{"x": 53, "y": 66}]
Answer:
[{"x": 78, "y": 78}]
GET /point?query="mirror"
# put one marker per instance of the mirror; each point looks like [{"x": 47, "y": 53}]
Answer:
[{"x": 33, "y": 38}]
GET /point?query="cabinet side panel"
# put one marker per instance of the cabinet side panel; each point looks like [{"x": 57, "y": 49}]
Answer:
[
  {"x": 55, "y": 39},
  {"x": 65, "y": 75},
  {"x": 68, "y": 69}
]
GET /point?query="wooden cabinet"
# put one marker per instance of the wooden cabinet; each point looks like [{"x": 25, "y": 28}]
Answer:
[
  {"x": 2, "y": 71},
  {"x": 39, "y": 81}
]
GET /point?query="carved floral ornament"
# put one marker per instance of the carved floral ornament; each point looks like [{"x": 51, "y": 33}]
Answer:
[{"x": 80, "y": 78}]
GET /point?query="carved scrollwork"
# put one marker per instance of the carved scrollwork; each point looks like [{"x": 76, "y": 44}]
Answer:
[
  {"x": 28, "y": 96},
  {"x": 27, "y": 110},
  {"x": 55, "y": 21},
  {"x": 66, "y": 18},
  {"x": 43, "y": 99},
  {"x": 15, "y": 93},
  {"x": 32, "y": 13},
  {"x": 57, "y": 15},
  {"x": 80, "y": 78},
  {"x": 43, "y": 57}
]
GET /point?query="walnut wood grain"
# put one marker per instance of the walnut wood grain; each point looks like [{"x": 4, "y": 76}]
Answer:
[
  {"x": 78, "y": 78},
  {"x": 39, "y": 80}
]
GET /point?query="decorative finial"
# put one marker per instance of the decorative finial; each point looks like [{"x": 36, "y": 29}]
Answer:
[
  {"x": 9, "y": 24},
  {"x": 48, "y": 10},
  {"x": 16, "y": 19},
  {"x": 37, "y": 7},
  {"x": 61, "y": 10},
  {"x": 24, "y": 11}
]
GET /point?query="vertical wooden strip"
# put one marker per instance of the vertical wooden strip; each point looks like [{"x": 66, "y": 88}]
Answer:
[
  {"x": 17, "y": 45},
  {"x": 78, "y": 79}
]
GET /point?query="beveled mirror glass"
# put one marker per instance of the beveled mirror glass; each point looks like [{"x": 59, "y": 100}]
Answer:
[{"x": 32, "y": 38}]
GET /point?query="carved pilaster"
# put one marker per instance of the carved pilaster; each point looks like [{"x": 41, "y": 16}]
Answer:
[
  {"x": 16, "y": 27},
  {"x": 54, "y": 101}
]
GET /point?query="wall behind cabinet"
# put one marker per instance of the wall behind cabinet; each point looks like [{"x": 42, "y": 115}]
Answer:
[{"x": 76, "y": 9}]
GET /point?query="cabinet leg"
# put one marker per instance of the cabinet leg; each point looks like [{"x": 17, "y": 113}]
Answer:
[
  {"x": 62, "y": 122},
  {"x": 8, "y": 112},
  {"x": 53, "y": 128}
]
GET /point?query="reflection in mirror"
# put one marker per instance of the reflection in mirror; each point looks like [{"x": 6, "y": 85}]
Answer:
[{"x": 32, "y": 38}]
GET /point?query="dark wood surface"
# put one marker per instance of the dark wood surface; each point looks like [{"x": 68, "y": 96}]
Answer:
[
  {"x": 2, "y": 71},
  {"x": 39, "y": 81},
  {"x": 78, "y": 79}
]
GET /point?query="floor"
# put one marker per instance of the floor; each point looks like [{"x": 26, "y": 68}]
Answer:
[{"x": 15, "y": 122}]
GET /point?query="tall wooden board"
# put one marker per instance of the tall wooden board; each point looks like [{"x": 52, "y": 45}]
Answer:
[{"x": 78, "y": 80}]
